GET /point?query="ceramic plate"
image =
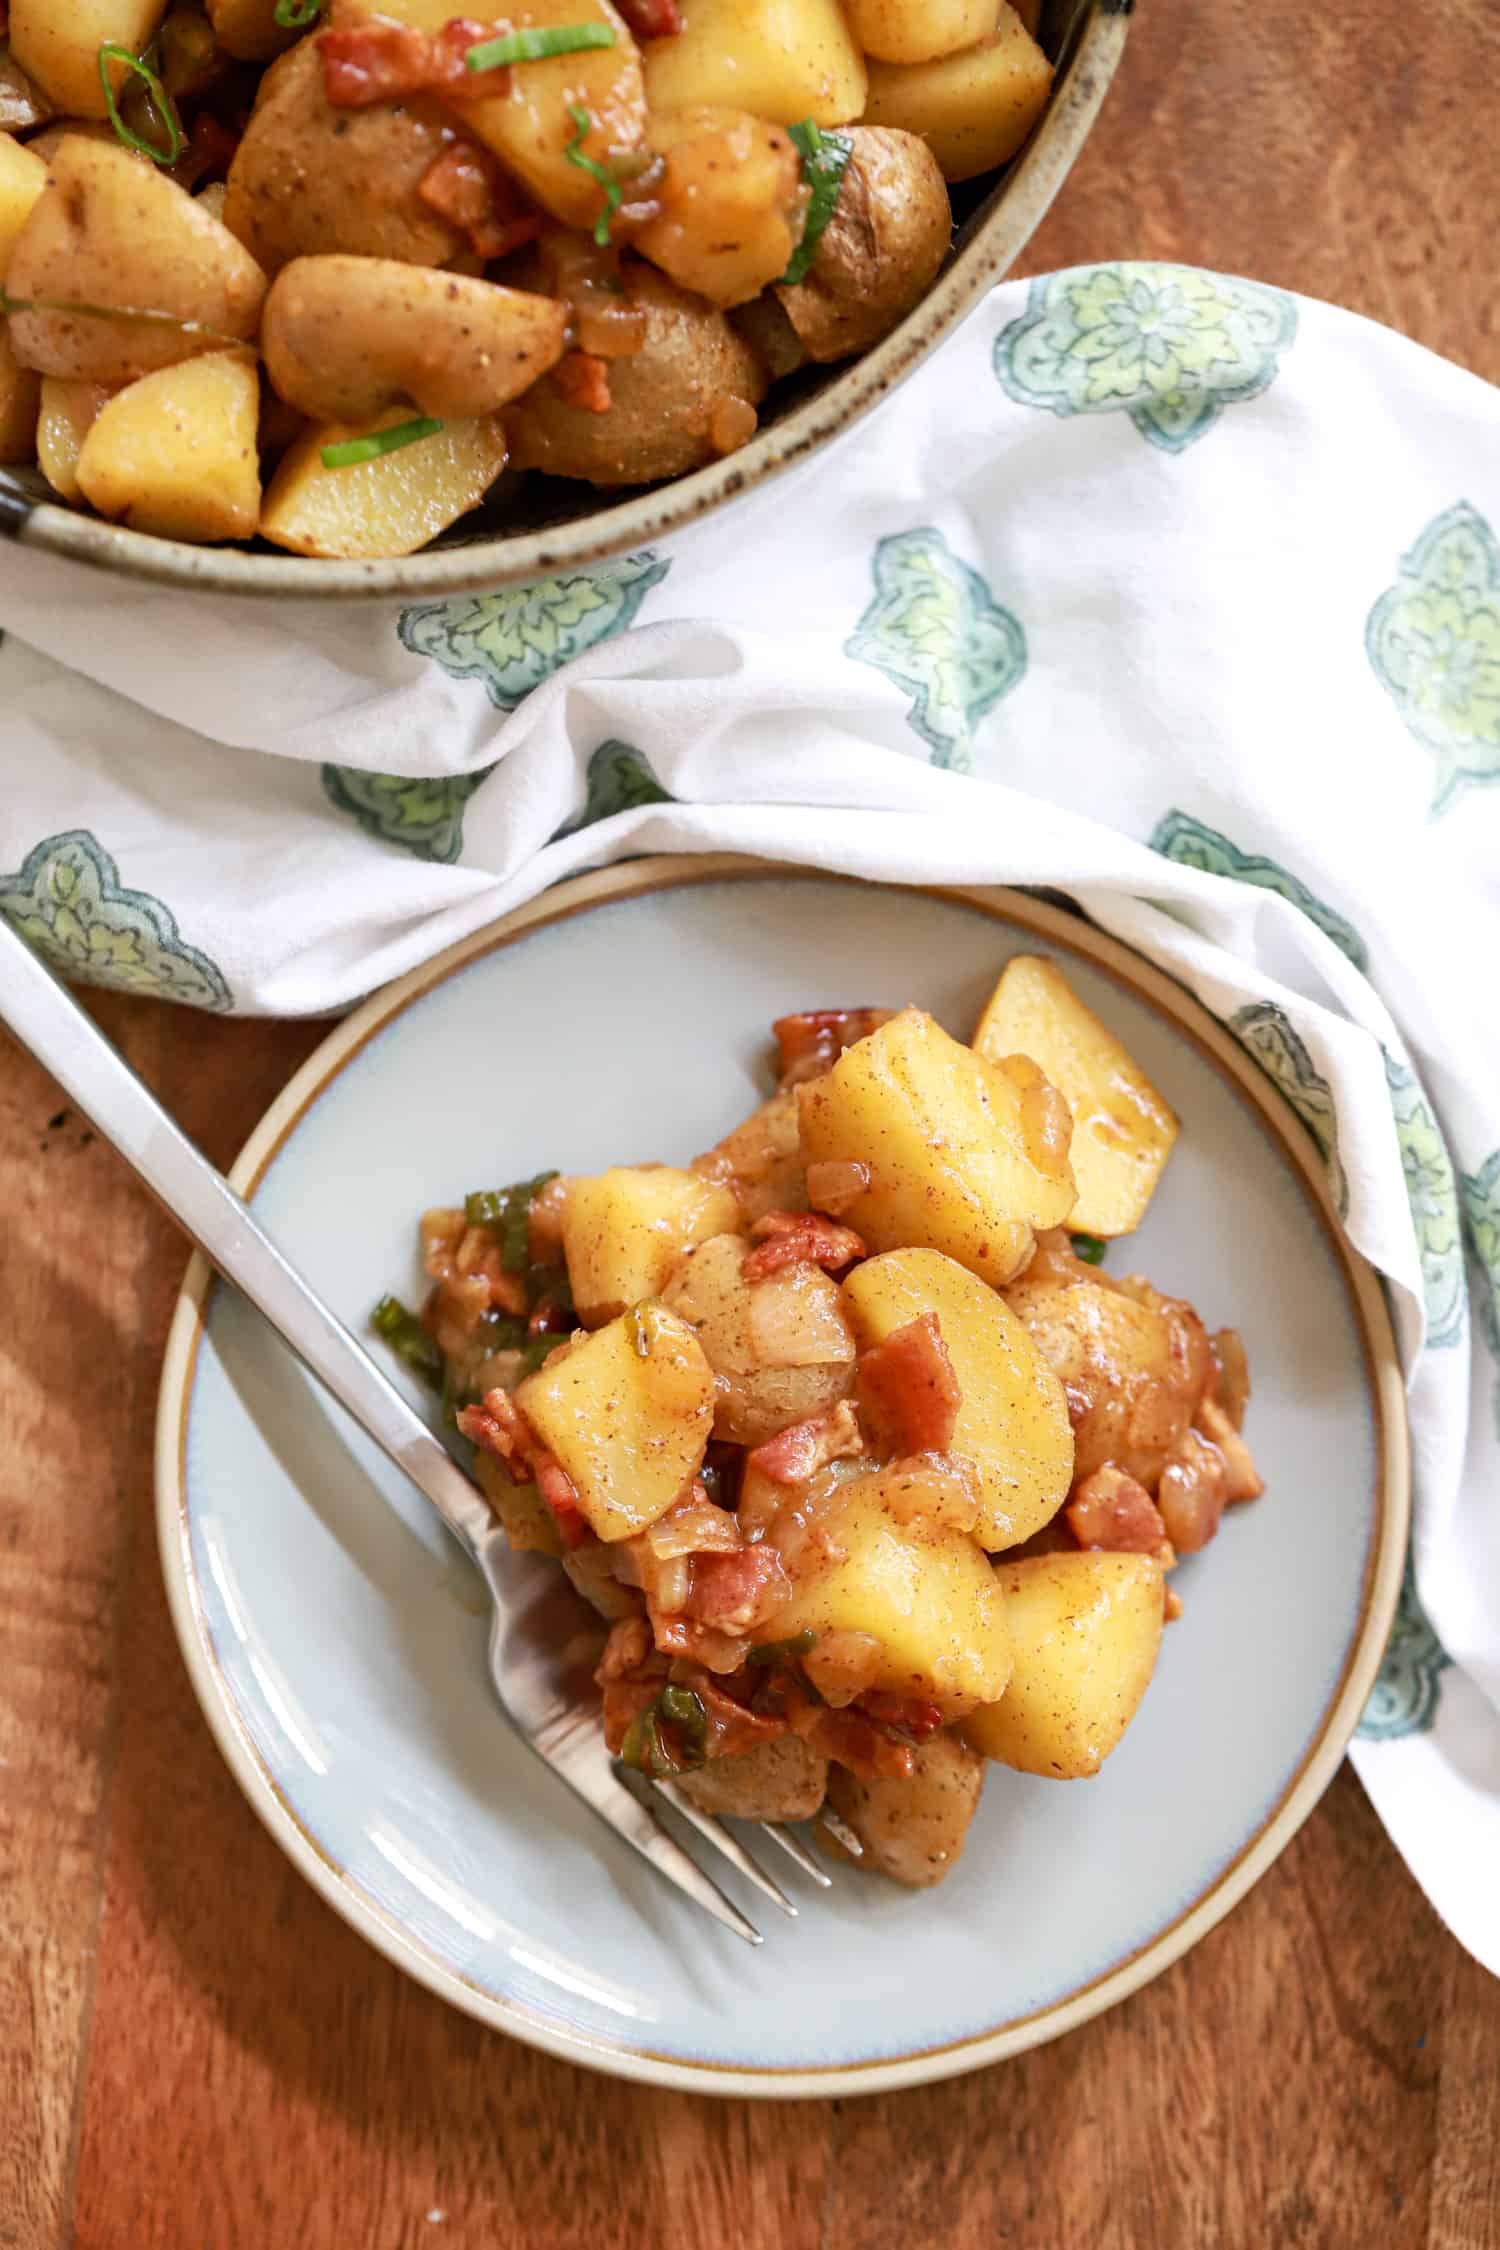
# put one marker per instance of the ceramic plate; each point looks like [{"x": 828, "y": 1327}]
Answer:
[{"x": 333, "y": 1633}]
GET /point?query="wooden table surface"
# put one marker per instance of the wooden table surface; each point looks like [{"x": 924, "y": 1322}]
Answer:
[{"x": 196, "y": 2054}]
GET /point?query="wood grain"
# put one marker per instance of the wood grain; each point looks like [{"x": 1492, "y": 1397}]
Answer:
[{"x": 195, "y": 2054}]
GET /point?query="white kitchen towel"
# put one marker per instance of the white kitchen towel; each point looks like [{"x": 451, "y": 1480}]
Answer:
[{"x": 1160, "y": 588}]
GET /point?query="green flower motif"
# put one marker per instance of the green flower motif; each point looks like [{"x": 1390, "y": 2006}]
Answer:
[
  {"x": 1481, "y": 1219},
  {"x": 1266, "y": 1031},
  {"x": 68, "y": 902},
  {"x": 1169, "y": 345},
  {"x": 515, "y": 639},
  {"x": 1187, "y": 841},
  {"x": 619, "y": 780},
  {"x": 935, "y": 629},
  {"x": 1432, "y": 1193},
  {"x": 1408, "y": 1688},
  {"x": 422, "y": 816},
  {"x": 1434, "y": 641}
]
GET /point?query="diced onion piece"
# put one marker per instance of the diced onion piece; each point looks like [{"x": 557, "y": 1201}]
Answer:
[
  {"x": 834, "y": 1185},
  {"x": 696, "y": 1528}
]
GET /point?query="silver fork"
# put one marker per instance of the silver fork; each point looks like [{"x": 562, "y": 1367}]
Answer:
[{"x": 529, "y": 1595}]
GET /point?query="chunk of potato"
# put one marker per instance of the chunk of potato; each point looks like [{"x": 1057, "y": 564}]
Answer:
[
  {"x": 20, "y": 405},
  {"x": 108, "y": 230},
  {"x": 973, "y": 108},
  {"x": 761, "y": 1160},
  {"x": 963, "y": 1156},
  {"x": 630, "y": 1429},
  {"x": 58, "y": 46},
  {"x": 1086, "y": 1629},
  {"x": 879, "y": 252},
  {"x": 914, "y": 1831},
  {"x": 66, "y": 416},
  {"x": 865, "y": 1556},
  {"x": 779, "y": 1780},
  {"x": 781, "y": 1349},
  {"x": 176, "y": 453},
  {"x": 781, "y": 59},
  {"x": 389, "y": 506},
  {"x": 525, "y": 1517},
  {"x": 23, "y": 175},
  {"x": 625, "y": 1230},
  {"x": 1013, "y": 1422},
  {"x": 732, "y": 201},
  {"x": 248, "y": 30},
  {"x": 1123, "y": 1131},
  {"x": 531, "y": 127},
  {"x": 912, "y": 31},
  {"x": 344, "y": 338}
]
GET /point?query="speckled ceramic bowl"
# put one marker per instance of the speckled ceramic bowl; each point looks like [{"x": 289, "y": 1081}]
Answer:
[{"x": 549, "y": 525}]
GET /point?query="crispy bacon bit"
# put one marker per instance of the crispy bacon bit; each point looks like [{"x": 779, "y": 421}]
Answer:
[
  {"x": 366, "y": 63},
  {"x": 848, "y": 1736},
  {"x": 622, "y": 1700},
  {"x": 732, "y": 1726},
  {"x": 1113, "y": 1511},
  {"x": 796, "y": 1453},
  {"x": 209, "y": 152},
  {"x": 500, "y": 1427},
  {"x": 800, "y": 1238},
  {"x": 466, "y": 187},
  {"x": 908, "y": 1390},
  {"x": 738, "y": 1592},
  {"x": 907, "y": 1717},
  {"x": 561, "y": 1495},
  {"x": 811, "y": 1042},
  {"x": 581, "y": 379},
  {"x": 652, "y": 19},
  {"x": 1242, "y": 1480},
  {"x": 836, "y": 1184}
]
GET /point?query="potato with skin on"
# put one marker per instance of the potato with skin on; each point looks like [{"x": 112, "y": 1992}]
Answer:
[
  {"x": 880, "y": 251},
  {"x": 1013, "y": 1420},
  {"x": 20, "y": 405},
  {"x": 781, "y": 1349},
  {"x": 175, "y": 453},
  {"x": 58, "y": 46},
  {"x": 344, "y": 338},
  {"x": 974, "y": 108},
  {"x": 110, "y": 231},
  {"x": 914, "y": 1831},
  {"x": 23, "y": 175},
  {"x": 1087, "y": 1629},
  {"x": 391, "y": 505},
  {"x": 1123, "y": 1131},
  {"x": 777, "y": 1780},
  {"x": 963, "y": 1155},
  {"x": 911, "y": 31},
  {"x": 248, "y": 30},
  {"x": 67, "y": 414},
  {"x": 732, "y": 202},
  {"x": 629, "y": 1428},
  {"x": 624, "y": 1232},
  {"x": 784, "y": 60},
  {"x": 875, "y": 1554}
]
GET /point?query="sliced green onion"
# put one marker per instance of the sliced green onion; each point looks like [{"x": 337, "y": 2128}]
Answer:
[
  {"x": 640, "y": 1327},
  {"x": 777, "y": 1653},
  {"x": 825, "y": 158},
  {"x": 409, "y": 1340},
  {"x": 583, "y": 125},
  {"x": 296, "y": 15},
  {"x": 112, "y": 52},
  {"x": 507, "y": 1213},
  {"x": 349, "y": 452},
  {"x": 647, "y": 1749},
  {"x": 9, "y": 305},
  {"x": 537, "y": 46},
  {"x": 1089, "y": 1248}
]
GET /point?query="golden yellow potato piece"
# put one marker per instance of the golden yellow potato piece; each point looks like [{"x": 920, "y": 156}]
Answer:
[
  {"x": 389, "y": 506},
  {"x": 1013, "y": 1422},
  {"x": 67, "y": 414},
  {"x": 913, "y": 1831},
  {"x": 782, "y": 59},
  {"x": 963, "y": 1156},
  {"x": 110, "y": 230},
  {"x": 1123, "y": 1131},
  {"x": 176, "y": 454},
  {"x": 732, "y": 203},
  {"x": 1086, "y": 1629},
  {"x": 630, "y": 1428},
  {"x": 23, "y": 175},
  {"x": 879, "y": 1563},
  {"x": 57, "y": 42},
  {"x": 973, "y": 109},
  {"x": 912, "y": 31},
  {"x": 20, "y": 404},
  {"x": 626, "y": 1229}
]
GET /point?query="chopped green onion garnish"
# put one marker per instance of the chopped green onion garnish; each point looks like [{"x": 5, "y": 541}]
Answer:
[
  {"x": 536, "y": 46},
  {"x": 647, "y": 1749},
  {"x": 409, "y": 1340},
  {"x": 112, "y": 52},
  {"x": 825, "y": 157},
  {"x": 507, "y": 1211},
  {"x": 296, "y": 15},
  {"x": 583, "y": 125},
  {"x": 640, "y": 1327},
  {"x": 777, "y": 1653},
  {"x": 350, "y": 451},
  {"x": 1089, "y": 1248},
  {"x": 9, "y": 305}
]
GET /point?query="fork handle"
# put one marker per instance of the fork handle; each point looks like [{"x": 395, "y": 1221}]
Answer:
[{"x": 48, "y": 1020}]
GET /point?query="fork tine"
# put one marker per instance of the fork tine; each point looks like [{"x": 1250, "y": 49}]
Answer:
[
  {"x": 796, "y": 1850},
  {"x": 731, "y": 1849},
  {"x": 841, "y": 1832},
  {"x": 575, "y": 1750}
]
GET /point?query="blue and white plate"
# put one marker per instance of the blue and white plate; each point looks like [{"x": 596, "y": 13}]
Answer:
[{"x": 337, "y": 1644}]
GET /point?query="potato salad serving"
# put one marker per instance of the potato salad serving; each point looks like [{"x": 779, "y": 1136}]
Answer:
[
  {"x": 870, "y": 1465},
  {"x": 319, "y": 271}
]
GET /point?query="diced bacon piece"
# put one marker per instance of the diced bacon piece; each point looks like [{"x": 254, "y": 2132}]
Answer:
[
  {"x": 366, "y": 63},
  {"x": 800, "y": 1238},
  {"x": 738, "y": 1592},
  {"x": 851, "y": 1738},
  {"x": 561, "y": 1495},
  {"x": 1114, "y": 1511},
  {"x": 622, "y": 1700},
  {"x": 796, "y": 1453},
  {"x": 581, "y": 379},
  {"x": 906, "y": 1716},
  {"x": 499, "y": 1426},
  {"x": 908, "y": 1389},
  {"x": 466, "y": 187},
  {"x": 810, "y": 1042},
  {"x": 1242, "y": 1480},
  {"x": 652, "y": 19},
  {"x": 732, "y": 1726}
]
